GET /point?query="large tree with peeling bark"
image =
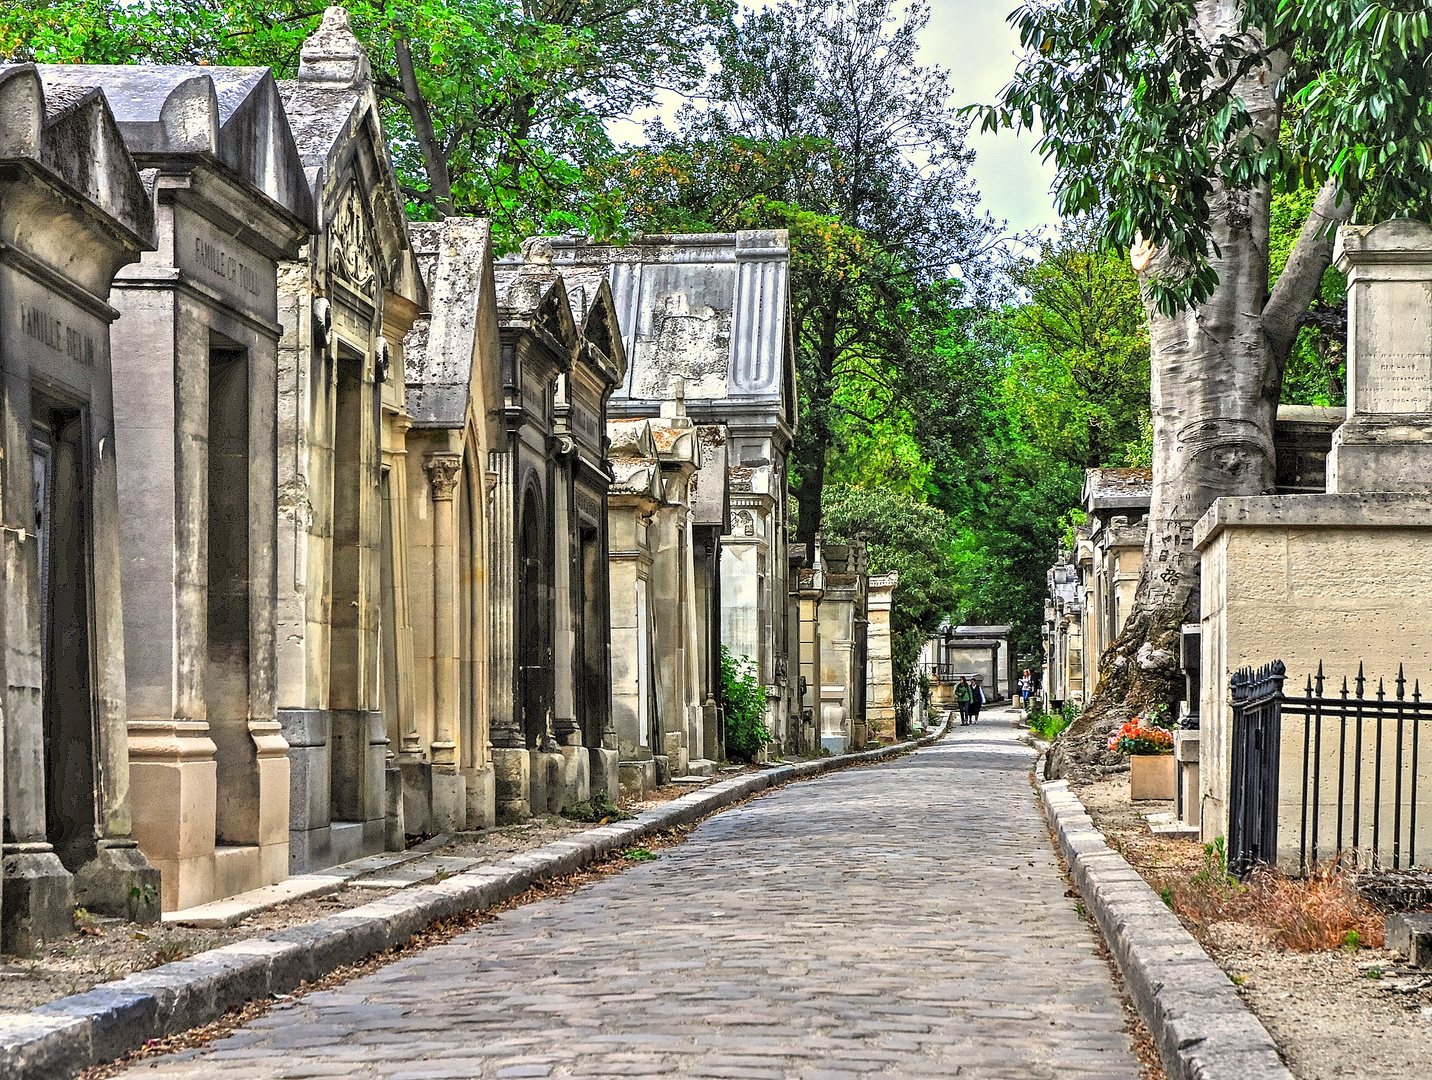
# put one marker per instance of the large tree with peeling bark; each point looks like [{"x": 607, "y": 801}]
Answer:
[{"x": 1173, "y": 123}]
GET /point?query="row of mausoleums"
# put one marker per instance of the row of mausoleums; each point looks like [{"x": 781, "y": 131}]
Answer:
[
  {"x": 1328, "y": 575},
  {"x": 323, "y": 529}
]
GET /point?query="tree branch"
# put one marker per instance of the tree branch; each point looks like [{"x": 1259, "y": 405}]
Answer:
[
  {"x": 1298, "y": 284},
  {"x": 433, "y": 159}
]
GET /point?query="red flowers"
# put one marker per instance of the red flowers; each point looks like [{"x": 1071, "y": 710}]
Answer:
[{"x": 1133, "y": 739}]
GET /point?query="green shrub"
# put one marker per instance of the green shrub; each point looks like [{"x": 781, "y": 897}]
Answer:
[
  {"x": 1047, "y": 725},
  {"x": 745, "y": 701}
]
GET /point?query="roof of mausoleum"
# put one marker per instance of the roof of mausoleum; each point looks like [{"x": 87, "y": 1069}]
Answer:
[
  {"x": 233, "y": 115},
  {"x": 1118, "y": 489},
  {"x": 69, "y": 133},
  {"x": 705, "y": 316},
  {"x": 447, "y": 342}
]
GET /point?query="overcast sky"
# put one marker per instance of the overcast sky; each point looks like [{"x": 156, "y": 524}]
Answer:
[{"x": 971, "y": 39}]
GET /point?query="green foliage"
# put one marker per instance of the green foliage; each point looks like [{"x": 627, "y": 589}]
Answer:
[
  {"x": 1052, "y": 386},
  {"x": 904, "y": 535},
  {"x": 1215, "y": 866},
  {"x": 744, "y": 699},
  {"x": 513, "y": 98},
  {"x": 640, "y": 854},
  {"x": 1141, "y": 116},
  {"x": 1047, "y": 725}
]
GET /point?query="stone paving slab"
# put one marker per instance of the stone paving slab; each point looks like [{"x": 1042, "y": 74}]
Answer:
[
  {"x": 232, "y": 910},
  {"x": 908, "y": 921},
  {"x": 416, "y": 872},
  {"x": 1201, "y": 1026},
  {"x": 59, "y": 1039}
]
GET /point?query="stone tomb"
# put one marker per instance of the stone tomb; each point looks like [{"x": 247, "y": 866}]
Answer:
[
  {"x": 346, "y": 305},
  {"x": 1340, "y": 578},
  {"x": 707, "y": 318},
  {"x": 73, "y": 211},
  {"x": 549, "y": 629},
  {"x": 880, "y": 708},
  {"x": 196, "y": 350},
  {"x": 451, "y": 365},
  {"x": 632, "y": 503}
]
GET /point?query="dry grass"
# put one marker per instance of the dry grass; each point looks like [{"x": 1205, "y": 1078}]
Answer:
[{"x": 1319, "y": 912}]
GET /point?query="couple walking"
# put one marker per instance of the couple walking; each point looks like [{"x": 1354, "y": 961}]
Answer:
[{"x": 970, "y": 696}]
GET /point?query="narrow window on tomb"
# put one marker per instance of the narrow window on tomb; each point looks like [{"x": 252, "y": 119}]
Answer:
[{"x": 347, "y": 677}]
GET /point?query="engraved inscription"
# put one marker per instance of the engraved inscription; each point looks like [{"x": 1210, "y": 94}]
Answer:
[
  {"x": 1400, "y": 382},
  {"x": 39, "y": 325},
  {"x": 224, "y": 266}
]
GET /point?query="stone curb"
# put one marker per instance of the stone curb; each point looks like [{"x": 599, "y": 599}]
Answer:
[
  {"x": 1201, "y": 1027},
  {"x": 58, "y": 1040}
]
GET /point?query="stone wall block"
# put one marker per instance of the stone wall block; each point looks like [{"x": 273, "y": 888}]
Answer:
[
  {"x": 605, "y": 772},
  {"x": 512, "y": 776},
  {"x": 481, "y": 800}
]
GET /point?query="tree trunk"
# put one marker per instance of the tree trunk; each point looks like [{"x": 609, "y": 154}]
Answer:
[{"x": 1216, "y": 376}]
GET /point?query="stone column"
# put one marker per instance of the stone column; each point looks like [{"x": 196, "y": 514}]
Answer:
[
  {"x": 511, "y": 764},
  {"x": 880, "y": 705},
  {"x": 449, "y": 790}
]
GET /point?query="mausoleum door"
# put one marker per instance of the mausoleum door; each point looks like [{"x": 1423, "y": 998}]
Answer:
[
  {"x": 228, "y": 645},
  {"x": 63, "y": 528},
  {"x": 534, "y": 661},
  {"x": 592, "y": 690}
]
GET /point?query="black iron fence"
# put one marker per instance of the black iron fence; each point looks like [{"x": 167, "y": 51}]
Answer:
[{"x": 1345, "y": 769}]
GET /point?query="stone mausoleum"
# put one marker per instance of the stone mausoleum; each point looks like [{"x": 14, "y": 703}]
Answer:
[
  {"x": 195, "y": 363},
  {"x": 706, "y": 320},
  {"x": 73, "y": 212},
  {"x": 1339, "y": 578},
  {"x": 346, "y": 304}
]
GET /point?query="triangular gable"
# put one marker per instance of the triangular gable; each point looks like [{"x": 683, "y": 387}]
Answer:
[
  {"x": 45, "y": 125},
  {"x": 602, "y": 330},
  {"x": 451, "y": 358},
  {"x": 235, "y": 114},
  {"x": 333, "y": 109}
]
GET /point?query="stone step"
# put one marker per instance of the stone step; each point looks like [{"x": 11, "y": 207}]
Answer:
[
  {"x": 1175, "y": 830},
  {"x": 416, "y": 872},
  {"x": 222, "y": 914},
  {"x": 700, "y": 767},
  {"x": 691, "y": 780},
  {"x": 1411, "y": 935}
]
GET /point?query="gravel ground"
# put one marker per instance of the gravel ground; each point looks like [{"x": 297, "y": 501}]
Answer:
[{"x": 1325, "y": 1011}]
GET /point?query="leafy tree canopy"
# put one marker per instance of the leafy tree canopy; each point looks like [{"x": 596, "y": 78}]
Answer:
[
  {"x": 494, "y": 107},
  {"x": 1141, "y": 115}
]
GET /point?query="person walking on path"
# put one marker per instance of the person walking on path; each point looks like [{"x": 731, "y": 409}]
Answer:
[
  {"x": 1026, "y": 688},
  {"x": 977, "y": 699},
  {"x": 964, "y": 694}
]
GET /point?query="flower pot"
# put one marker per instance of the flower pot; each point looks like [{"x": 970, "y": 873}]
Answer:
[{"x": 1151, "y": 777}]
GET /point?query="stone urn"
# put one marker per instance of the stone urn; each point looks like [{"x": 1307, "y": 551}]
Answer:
[{"x": 1151, "y": 777}]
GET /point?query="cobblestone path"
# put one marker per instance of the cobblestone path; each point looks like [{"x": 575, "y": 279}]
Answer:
[{"x": 903, "y": 920}]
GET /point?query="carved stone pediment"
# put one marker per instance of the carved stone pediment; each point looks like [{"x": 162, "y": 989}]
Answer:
[{"x": 351, "y": 246}]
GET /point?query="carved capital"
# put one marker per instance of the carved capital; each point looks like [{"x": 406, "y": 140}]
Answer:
[{"x": 443, "y": 471}]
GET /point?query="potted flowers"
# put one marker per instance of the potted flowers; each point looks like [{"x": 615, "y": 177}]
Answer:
[{"x": 1150, "y": 750}]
